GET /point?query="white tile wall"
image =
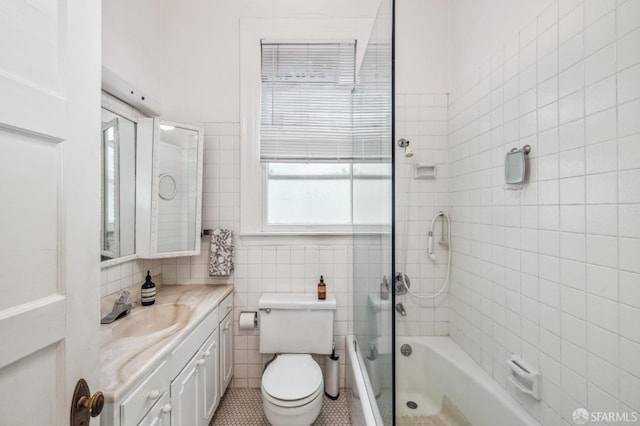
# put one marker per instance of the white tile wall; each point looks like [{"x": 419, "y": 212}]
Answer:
[
  {"x": 118, "y": 277},
  {"x": 422, "y": 119},
  {"x": 551, "y": 272}
]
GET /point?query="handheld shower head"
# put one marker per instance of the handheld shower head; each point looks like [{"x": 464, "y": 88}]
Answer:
[{"x": 430, "y": 242}]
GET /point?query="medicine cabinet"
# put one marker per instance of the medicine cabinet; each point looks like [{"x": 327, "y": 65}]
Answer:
[
  {"x": 169, "y": 202},
  {"x": 117, "y": 237}
]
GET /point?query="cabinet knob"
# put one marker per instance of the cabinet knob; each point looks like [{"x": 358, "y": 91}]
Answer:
[
  {"x": 200, "y": 362},
  {"x": 207, "y": 353},
  {"x": 154, "y": 394},
  {"x": 226, "y": 327},
  {"x": 166, "y": 408}
]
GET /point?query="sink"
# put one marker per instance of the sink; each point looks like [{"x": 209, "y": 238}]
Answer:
[{"x": 145, "y": 320}]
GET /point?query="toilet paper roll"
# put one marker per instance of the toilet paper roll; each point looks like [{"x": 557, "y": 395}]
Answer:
[{"x": 248, "y": 320}]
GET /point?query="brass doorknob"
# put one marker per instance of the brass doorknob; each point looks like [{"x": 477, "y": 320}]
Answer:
[
  {"x": 95, "y": 403},
  {"x": 84, "y": 405}
]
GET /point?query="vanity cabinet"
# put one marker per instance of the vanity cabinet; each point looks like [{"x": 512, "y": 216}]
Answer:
[
  {"x": 184, "y": 395},
  {"x": 145, "y": 396},
  {"x": 185, "y": 386},
  {"x": 226, "y": 343},
  {"x": 160, "y": 413},
  {"x": 194, "y": 392}
]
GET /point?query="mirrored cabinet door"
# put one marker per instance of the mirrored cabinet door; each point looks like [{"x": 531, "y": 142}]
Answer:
[
  {"x": 173, "y": 222},
  {"x": 118, "y": 186}
]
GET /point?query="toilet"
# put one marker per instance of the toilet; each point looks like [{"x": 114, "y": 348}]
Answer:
[{"x": 294, "y": 326}]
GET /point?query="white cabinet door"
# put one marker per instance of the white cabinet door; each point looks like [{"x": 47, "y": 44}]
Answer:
[
  {"x": 185, "y": 399},
  {"x": 226, "y": 353},
  {"x": 210, "y": 394},
  {"x": 49, "y": 198},
  {"x": 159, "y": 415}
]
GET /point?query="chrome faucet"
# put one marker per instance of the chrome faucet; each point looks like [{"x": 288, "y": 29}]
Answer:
[
  {"x": 121, "y": 307},
  {"x": 400, "y": 308}
]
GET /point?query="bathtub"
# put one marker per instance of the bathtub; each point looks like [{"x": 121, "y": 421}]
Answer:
[{"x": 438, "y": 367}]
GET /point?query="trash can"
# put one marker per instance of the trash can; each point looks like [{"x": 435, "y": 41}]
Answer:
[{"x": 332, "y": 365}]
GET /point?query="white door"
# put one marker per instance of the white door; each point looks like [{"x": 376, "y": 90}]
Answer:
[{"x": 49, "y": 206}]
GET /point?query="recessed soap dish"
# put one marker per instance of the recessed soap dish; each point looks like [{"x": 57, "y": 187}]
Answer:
[
  {"x": 424, "y": 171},
  {"x": 524, "y": 376}
]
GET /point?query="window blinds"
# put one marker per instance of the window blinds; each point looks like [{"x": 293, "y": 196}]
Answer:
[{"x": 307, "y": 102}]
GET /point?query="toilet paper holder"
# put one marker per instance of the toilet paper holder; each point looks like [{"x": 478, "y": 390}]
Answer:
[{"x": 254, "y": 314}]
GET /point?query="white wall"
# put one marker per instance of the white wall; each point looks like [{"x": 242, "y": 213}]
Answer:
[
  {"x": 422, "y": 46},
  {"x": 480, "y": 28},
  {"x": 202, "y": 78},
  {"x": 551, "y": 272},
  {"x": 132, "y": 42}
]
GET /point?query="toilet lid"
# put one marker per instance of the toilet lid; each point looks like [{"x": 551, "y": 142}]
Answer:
[{"x": 291, "y": 377}]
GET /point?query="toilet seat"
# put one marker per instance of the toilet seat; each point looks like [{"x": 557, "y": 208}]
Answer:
[
  {"x": 292, "y": 403},
  {"x": 292, "y": 380}
]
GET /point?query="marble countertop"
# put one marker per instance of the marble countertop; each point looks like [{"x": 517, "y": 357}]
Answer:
[{"x": 126, "y": 361}]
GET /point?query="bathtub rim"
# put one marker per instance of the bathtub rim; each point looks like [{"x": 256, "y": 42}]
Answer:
[{"x": 371, "y": 412}]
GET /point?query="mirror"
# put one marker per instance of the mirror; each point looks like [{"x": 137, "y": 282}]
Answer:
[
  {"x": 118, "y": 186},
  {"x": 169, "y": 217},
  {"x": 177, "y": 188}
]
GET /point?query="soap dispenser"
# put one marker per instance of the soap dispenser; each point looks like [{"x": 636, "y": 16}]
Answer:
[
  {"x": 322, "y": 289},
  {"x": 148, "y": 292}
]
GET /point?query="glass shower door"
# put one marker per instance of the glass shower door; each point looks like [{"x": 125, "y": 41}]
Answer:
[{"x": 372, "y": 216}]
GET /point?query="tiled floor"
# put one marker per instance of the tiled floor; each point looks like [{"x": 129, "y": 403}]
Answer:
[{"x": 243, "y": 406}]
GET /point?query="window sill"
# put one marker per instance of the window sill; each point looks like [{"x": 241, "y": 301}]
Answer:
[{"x": 305, "y": 238}]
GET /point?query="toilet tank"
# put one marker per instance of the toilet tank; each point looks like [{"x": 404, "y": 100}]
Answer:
[{"x": 296, "y": 323}]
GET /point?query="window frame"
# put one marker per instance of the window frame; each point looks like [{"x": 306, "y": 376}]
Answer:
[{"x": 252, "y": 171}]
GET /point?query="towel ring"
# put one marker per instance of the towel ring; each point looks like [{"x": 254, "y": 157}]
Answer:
[{"x": 167, "y": 188}]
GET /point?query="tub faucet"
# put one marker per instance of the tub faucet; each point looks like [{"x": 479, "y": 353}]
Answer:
[
  {"x": 400, "y": 308},
  {"x": 121, "y": 307}
]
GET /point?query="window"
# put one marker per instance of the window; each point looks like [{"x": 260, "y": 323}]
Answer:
[
  {"x": 331, "y": 162},
  {"x": 322, "y": 194},
  {"x": 306, "y": 138}
]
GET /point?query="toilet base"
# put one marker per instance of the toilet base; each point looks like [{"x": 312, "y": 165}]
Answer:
[{"x": 293, "y": 416}]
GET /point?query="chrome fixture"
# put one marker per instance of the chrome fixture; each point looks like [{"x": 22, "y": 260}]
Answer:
[
  {"x": 400, "y": 308},
  {"x": 444, "y": 239},
  {"x": 404, "y": 143},
  {"x": 402, "y": 283},
  {"x": 121, "y": 307},
  {"x": 406, "y": 350}
]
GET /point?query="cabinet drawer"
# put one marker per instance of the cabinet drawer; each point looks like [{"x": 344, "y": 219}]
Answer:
[
  {"x": 226, "y": 306},
  {"x": 142, "y": 398},
  {"x": 160, "y": 414},
  {"x": 185, "y": 350}
]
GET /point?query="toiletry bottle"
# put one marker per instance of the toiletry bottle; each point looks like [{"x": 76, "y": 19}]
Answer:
[
  {"x": 322, "y": 289},
  {"x": 384, "y": 288},
  {"x": 148, "y": 292}
]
